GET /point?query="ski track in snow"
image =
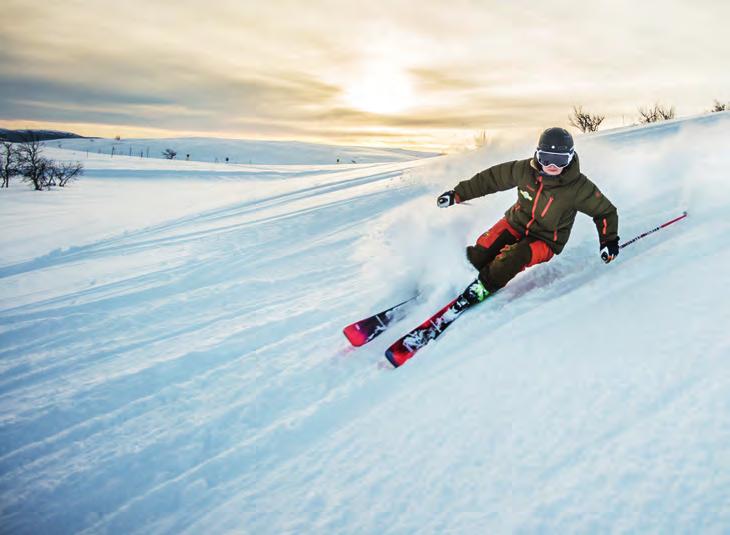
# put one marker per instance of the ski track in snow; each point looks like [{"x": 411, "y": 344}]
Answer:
[
  {"x": 162, "y": 366},
  {"x": 190, "y": 375}
]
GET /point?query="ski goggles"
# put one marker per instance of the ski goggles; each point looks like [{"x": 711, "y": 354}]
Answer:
[{"x": 559, "y": 159}]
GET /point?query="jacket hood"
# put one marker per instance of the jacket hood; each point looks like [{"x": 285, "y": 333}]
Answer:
[{"x": 570, "y": 174}]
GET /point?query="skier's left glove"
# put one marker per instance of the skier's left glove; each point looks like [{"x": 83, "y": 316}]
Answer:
[
  {"x": 609, "y": 250},
  {"x": 447, "y": 198}
]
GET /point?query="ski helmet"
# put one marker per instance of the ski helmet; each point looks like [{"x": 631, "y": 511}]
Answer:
[{"x": 555, "y": 147}]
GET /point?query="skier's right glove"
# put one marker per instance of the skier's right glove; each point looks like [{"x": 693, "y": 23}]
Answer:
[
  {"x": 609, "y": 250},
  {"x": 447, "y": 198}
]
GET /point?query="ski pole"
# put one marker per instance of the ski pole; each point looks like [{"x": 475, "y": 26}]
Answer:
[{"x": 637, "y": 238}]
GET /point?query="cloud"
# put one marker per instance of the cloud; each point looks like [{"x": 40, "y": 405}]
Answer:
[{"x": 283, "y": 69}]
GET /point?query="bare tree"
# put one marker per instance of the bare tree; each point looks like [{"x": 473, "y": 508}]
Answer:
[
  {"x": 719, "y": 106},
  {"x": 41, "y": 171},
  {"x": 655, "y": 113},
  {"x": 62, "y": 174},
  {"x": 584, "y": 121},
  {"x": 169, "y": 154},
  {"x": 8, "y": 164},
  {"x": 32, "y": 165}
]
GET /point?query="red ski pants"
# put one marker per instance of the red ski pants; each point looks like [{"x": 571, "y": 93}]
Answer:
[{"x": 502, "y": 252}]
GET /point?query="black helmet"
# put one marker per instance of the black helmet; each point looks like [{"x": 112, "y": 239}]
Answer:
[
  {"x": 555, "y": 147},
  {"x": 555, "y": 139}
]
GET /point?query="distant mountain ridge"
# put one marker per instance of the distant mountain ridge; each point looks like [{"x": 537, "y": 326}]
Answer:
[{"x": 17, "y": 136}]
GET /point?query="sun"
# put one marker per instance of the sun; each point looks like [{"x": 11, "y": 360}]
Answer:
[{"x": 380, "y": 89}]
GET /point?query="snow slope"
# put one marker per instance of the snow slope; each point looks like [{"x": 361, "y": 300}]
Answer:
[
  {"x": 171, "y": 358},
  {"x": 241, "y": 150}
]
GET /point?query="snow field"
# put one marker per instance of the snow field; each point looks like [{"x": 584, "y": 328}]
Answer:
[
  {"x": 171, "y": 361},
  {"x": 240, "y": 151}
]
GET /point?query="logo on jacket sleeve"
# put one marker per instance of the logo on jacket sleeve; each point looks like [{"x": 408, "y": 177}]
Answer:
[{"x": 526, "y": 194}]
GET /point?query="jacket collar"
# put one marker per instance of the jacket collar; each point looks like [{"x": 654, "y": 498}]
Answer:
[{"x": 569, "y": 174}]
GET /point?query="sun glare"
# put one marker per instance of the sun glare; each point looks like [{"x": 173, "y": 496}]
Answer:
[{"x": 380, "y": 89}]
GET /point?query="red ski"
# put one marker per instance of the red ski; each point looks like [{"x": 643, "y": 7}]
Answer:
[
  {"x": 406, "y": 346},
  {"x": 361, "y": 332}
]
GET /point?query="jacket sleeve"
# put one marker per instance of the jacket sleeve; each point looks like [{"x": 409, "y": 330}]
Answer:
[
  {"x": 592, "y": 202},
  {"x": 497, "y": 178}
]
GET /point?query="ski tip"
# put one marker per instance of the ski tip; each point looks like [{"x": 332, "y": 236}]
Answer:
[{"x": 354, "y": 336}]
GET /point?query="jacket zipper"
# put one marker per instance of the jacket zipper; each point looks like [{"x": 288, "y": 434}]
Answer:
[
  {"x": 547, "y": 207},
  {"x": 534, "y": 207}
]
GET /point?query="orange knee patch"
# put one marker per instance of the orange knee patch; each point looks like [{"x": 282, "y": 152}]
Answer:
[
  {"x": 540, "y": 253},
  {"x": 487, "y": 239}
]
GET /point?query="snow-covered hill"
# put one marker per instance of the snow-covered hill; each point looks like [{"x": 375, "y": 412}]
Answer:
[
  {"x": 171, "y": 355},
  {"x": 240, "y": 151}
]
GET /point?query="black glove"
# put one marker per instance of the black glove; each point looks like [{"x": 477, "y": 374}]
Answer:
[
  {"x": 609, "y": 250},
  {"x": 447, "y": 198}
]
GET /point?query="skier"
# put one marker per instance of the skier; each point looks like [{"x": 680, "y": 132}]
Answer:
[{"x": 550, "y": 191}]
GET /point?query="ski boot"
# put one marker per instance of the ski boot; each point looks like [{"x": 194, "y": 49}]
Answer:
[{"x": 474, "y": 293}]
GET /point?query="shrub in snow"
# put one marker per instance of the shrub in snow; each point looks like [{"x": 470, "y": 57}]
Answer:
[
  {"x": 719, "y": 106},
  {"x": 584, "y": 121},
  {"x": 655, "y": 113}
]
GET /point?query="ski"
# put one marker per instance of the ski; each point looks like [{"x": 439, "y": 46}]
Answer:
[
  {"x": 405, "y": 347},
  {"x": 363, "y": 331}
]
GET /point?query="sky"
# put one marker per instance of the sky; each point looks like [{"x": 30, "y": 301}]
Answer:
[{"x": 421, "y": 74}]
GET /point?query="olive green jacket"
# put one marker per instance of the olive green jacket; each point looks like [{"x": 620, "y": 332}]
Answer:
[{"x": 546, "y": 206}]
